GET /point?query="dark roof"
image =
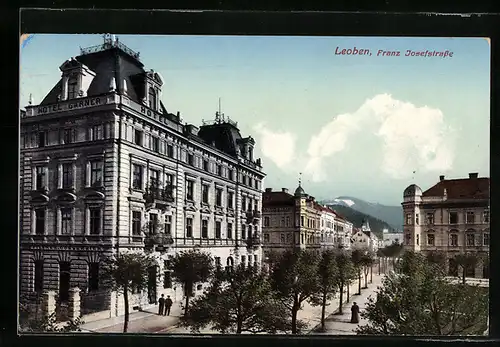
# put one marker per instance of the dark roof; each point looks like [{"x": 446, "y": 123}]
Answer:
[
  {"x": 224, "y": 136},
  {"x": 466, "y": 188},
  {"x": 277, "y": 199},
  {"x": 412, "y": 190},
  {"x": 300, "y": 191}
]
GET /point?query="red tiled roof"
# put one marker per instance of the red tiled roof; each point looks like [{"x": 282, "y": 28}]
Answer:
[{"x": 465, "y": 188}]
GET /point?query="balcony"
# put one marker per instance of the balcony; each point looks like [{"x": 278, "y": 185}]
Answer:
[
  {"x": 253, "y": 242},
  {"x": 159, "y": 197},
  {"x": 253, "y": 216},
  {"x": 159, "y": 242}
]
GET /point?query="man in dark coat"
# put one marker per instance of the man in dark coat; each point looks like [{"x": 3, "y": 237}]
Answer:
[
  {"x": 355, "y": 313},
  {"x": 161, "y": 304},
  {"x": 168, "y": 305}
]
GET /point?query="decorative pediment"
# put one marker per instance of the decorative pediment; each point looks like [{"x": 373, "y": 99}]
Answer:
[
  {"x": 70, "y": 64},
  {"x": 95, "y": 195},
  {"x": 470, "y": 230},
  {"x": 190, "y": 207},
  {"x": 205, "y": 209},
  {"x": 65, "y": 198},
  {"x": 39, "y": 199},
  {"x": 453, "y": 231}
]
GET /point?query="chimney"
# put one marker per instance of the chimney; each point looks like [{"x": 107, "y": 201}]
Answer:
[
  {"x": 269, "y": 190},
  {"x": 284, "y": 190},
  {"x": 473, "y": 175},
  {"x": 441, "y": 178}
]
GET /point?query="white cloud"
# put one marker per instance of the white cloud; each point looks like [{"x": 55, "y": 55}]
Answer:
[
  {"x": 277, "y": 146},
  {"x": 413, "y": 138}
]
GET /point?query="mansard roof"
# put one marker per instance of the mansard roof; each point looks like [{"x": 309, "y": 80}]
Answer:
[{"x": 464, "y": 188}]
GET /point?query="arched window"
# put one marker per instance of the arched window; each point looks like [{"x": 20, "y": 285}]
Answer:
[{"x": 152, "y": 98}]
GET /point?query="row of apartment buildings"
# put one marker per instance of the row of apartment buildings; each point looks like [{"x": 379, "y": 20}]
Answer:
[{"x": 453, "y": 217}]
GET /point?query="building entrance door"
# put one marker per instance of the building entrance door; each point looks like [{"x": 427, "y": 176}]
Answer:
[{"x": 152, "y": 278}]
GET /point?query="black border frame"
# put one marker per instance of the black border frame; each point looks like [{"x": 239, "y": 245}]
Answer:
[{"x": 242, "y": 23}]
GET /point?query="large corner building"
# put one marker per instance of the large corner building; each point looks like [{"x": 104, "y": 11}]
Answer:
[
  {"x": 452, "y": 216},
  {"x": 105, "y": 168}
]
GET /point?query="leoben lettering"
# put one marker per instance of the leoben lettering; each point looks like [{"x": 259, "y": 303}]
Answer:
[{"x": 72, "y": 105}]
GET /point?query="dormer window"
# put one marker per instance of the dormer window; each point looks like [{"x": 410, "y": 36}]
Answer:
[
  {"x": 73, "y": 87},
  {"x": 152, "y": 99}
]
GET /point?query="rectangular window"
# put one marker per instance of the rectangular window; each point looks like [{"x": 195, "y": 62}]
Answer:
[
  {"x": 40, "y": 177},
  {"x": 66, "y": 224},
  {"x": 243, "y": 203},
  {"x": 230, "y": 198},
  {"x": 96, "y": 170},
  {"x": 288, "y": 238},
  {"x": 243, "y": 260},
  {"x": 190, "y": 159},
  {"x": 138, "y": 137},
  {"x": 136, "y": 223},
  {"x": 217, "y": 229},
  {"x": 282, "y": 238},
  {"x": 189, "y": 190},
  {"x": 204, "y": 229},
  {"x": 417, "y": 217},
  {"x": 244, "y": 179},
  {"x": 453, "y": 240},
  {"x": 301, "y": 221},
  {"x": 282, "y": 222},
  {"x": 40, "y": 221},
  {"x": 38, "y": 283},
  {"x": 93, "y": 277},
  {"x": 153, "y": 223},
  {"x": 219, "y": 170},
  {"x": 168, "y": 225},
  {"x": 217, "y": 261},
  {"x": 486, "y": 216},
  {"x": 470, "y": 239},
  {"x": 229, "y": 230},
  {"x": 67, "y": 175},
  {"x": 218, "y": 197},
  {"x": 167, "y": 280},
  {"x": 430, "y": 240},
  {"x": 287, "y": 221},
  {"x": 96, "y": 132},
  {"x": 68, "y": 136},
  {"x": 156, "y": 144},
  {"x": 250, "y": 182},
  {"x": 170, "y": 151},
  {"x": 64, "y": 279},
  {"x": 408, "y": 219},
  {"x": 42, "y": 141},
  {"x": 204, "y": 193},
  {"x": 205, "y": 165},
  {"x": 95, "y": 221},
  {"x": 137, "y": 177},
  {"x": 189, "y": 227},
  {"x": 486, "y": 239},
  {"x": 243, "y": 232},
  {"x": 154, "y": 178},
  {"x": 430, "y": 218},
  {"x": 453, "y": 217},
  {"x": 469, "y": 217},
  {"x": 230, "y": 174},
  {"x": 266, "y": 238}
]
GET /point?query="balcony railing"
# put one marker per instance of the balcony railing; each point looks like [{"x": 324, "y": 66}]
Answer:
[
  {"x": 253, "y": 216},
  {"x": 159, "y": 195},
  {"x": 253, "y": 241},
  {"x": 159, "y": 242}
]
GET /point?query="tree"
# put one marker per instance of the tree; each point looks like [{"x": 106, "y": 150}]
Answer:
[
  {"x": 417, "y": 300},
  {"x": 327, "y": 278},
  {"x": 393, "y": 251},
  {"x": 126, "y": 272},
  {"x": 465, "y": 261},
  {"x": 238, "y": 300},
  {"x": 356, "y": 258},
  {"x": 345, "y": 273},
  {"x": 191, "y": 267},
  {"x": 437, "y": 259},
  {"x": 34, "y": 324},
  {"x": 294, "y": 279},
  {"x": 367, "y": 260}
]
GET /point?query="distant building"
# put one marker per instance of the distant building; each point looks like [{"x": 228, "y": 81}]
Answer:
[
  {"x": 343, "y": 232},
  {"x": 452, "y": 216},
  {"x": 391, "y": 237},
  {"x": 364, "y": 238}
]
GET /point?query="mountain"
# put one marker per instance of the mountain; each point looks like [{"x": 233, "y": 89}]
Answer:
[
  {"x": 357, "y": 218},
  {"x": 392, "y": 215}
]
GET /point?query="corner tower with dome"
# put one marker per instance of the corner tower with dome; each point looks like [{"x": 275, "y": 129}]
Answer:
[{"x": 453, "y": 217}]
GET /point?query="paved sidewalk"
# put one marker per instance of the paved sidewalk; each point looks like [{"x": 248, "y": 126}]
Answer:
[
  {"x": 336, "y": 324},
  {"x": 145, "y": 321}
]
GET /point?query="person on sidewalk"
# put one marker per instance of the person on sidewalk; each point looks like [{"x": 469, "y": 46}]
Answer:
[
  {"x": 355, "y": 313},
  {"x": 161, "y": 303},
  {"x": 168, "y": 305}
]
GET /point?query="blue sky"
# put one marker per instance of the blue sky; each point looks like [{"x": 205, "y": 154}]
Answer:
[{"x": 364, "y": 126}]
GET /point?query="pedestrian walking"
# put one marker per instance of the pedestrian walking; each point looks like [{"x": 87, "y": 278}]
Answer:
[
  {"x": 168, "y": 305},
  {"x": 355, "y": 313},
  {"x": 161, "y": 303}
]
